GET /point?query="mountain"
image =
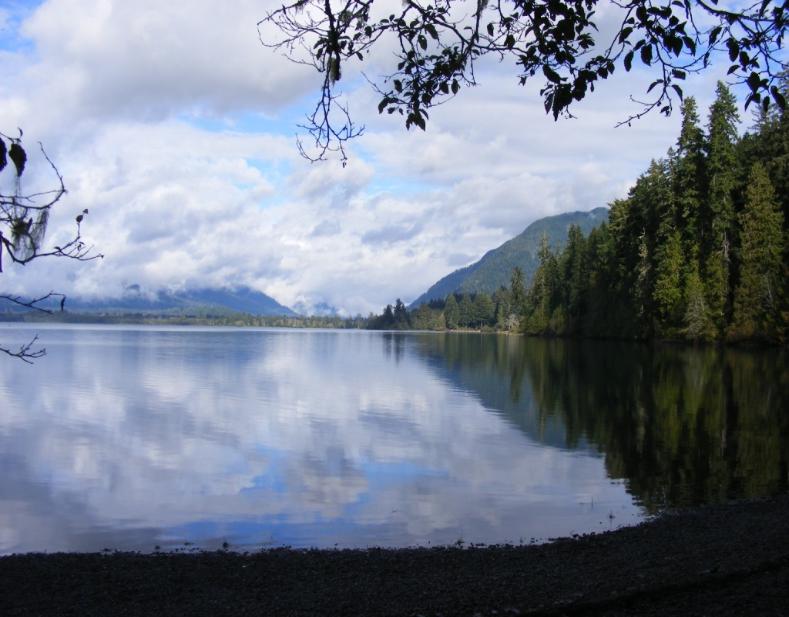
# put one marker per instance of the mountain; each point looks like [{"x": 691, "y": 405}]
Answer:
[
  {"x": 495, "y": 267},
  {"x": 205, "y": 301}
]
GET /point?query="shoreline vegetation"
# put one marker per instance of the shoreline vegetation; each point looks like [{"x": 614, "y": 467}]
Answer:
[
  {"x": 730, "y": 559},
  {"x": 244, "y": 320}
]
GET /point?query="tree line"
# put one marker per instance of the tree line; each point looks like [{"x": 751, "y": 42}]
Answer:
[{"x": 696, "y": 251}]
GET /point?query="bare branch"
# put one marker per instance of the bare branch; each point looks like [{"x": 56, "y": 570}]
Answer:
[
  {"x": 35, "y": 302},
  {"x": 26, "y": 353},
  {"x": 23, "y": 224}
]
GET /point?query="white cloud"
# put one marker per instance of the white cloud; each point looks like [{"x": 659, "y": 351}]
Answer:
[{"x": 174, "y": 126}]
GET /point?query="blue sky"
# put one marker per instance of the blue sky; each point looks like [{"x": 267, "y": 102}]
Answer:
[{"x": 177, "y": 129}]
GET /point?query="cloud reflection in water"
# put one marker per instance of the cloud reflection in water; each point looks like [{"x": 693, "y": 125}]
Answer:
[{"x": 134, "y": 437}]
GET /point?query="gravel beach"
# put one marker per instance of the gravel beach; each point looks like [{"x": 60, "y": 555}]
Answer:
[{"x": 719, "y": 560}]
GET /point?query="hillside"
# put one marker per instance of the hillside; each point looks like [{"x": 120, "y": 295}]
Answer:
[
  {"x": 201, "y": 302},
  {"x": 494, "y": 269}
]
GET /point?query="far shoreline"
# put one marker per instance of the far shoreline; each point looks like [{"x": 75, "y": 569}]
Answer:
[{"x": 242, "y": 321}]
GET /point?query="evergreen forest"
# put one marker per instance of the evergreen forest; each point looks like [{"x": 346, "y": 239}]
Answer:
[{"x": 696, "y": 251}]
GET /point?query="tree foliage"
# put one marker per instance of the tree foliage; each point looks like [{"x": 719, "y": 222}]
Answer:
[
  {"x": 696, "y": 251},
  {"x": 438, "y": 45}
]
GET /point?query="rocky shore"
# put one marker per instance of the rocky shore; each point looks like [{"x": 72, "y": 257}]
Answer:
[{"x": 719, "y": 560}]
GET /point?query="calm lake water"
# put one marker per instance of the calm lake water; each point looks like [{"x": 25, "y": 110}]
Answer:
[{"x": 134, "y": 438}]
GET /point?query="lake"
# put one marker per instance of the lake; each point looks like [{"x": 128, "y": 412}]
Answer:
[{"x": 147, "y": 438}]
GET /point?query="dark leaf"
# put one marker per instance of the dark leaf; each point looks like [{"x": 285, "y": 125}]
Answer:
[
  {"x": 624, "y": 34},
  {"x": 455, "y": 86},
  {"x": 678, "y": 90},
  {"x": 646, "y": 54},
  {"x": 628, "y": 60},
  {"x": 734, "y": 48},
  {"x": 17, "y": 154},
  {"x": 3, "y": 159},
  {"x": 548, "y": 103},
  {"x": 714, "y": 34},
  {"x": 653, "y": 84},
  {"x": 551, "y": 74}
]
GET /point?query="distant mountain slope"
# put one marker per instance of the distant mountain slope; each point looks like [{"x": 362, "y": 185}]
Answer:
[
  {"x": 190, "y": 301},
  {"x": 495, "y": 267}
]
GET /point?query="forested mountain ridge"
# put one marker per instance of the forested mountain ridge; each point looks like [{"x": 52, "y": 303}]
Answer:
[
  {"x": 697, "y": 251},
  {"x": 494, "y": 269}
]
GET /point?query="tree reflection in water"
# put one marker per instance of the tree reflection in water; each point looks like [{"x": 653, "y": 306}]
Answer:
[{"x": 679, "y": 425}]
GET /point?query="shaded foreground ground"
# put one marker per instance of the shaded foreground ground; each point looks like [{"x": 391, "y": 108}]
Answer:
[{"x": 722, "y": 560}]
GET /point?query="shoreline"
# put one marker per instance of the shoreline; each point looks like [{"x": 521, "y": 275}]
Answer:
[
  {"x": 237, "y": 322},
  {"x": 721, "y": 559}
]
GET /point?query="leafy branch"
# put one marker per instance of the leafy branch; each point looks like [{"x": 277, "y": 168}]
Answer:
[{"x": 437, "y": 45}]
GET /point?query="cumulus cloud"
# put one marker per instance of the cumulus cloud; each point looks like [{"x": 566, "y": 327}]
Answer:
[{"x": 175, "y": 127}]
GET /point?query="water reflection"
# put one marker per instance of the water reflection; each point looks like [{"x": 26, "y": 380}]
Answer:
[
  {"x": 680, "y": 425},
  {"x": 136, "y": 437}
]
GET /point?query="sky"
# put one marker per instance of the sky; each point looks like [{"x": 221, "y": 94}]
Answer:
[{"x": 177, "y": 129}]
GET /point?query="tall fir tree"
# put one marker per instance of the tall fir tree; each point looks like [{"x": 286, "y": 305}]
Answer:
[
  {"x": 451, "y": 312},
  {"x": 669, "y": 284},
  {"x": 758, "y": 310},
  {"x": 483, "y": 310},
  {"x": 573, "y": 274},
  {"x": 688, "y": 178},
  {"x": 717, "y": 223},
  {"x": 518, "y": 291},
  {"x": 698, "y": 325},
  {"x": 465, "y": 311}
]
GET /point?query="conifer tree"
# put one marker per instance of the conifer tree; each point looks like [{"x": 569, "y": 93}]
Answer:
[
  {"x": 757, "y": 300},
  {"x": 518, "y": 291},
  {"x": 688, "y": 177},
  {"x": 668, "y": 283},
  {"x": 483, "y": 310},
  {"x": 718, "y": 220},
  {"x": 698, "y": 325},
  {"x": 539, "y": 301},
  {"x": 465, "y": 311},
  {"x": 400, "y": 315},
  {"x": 451, "y": 313},
  {"x": 573, "y": 276},
  {"x": 502, "y": 300},
  {"x": 653, "y": 215}
]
